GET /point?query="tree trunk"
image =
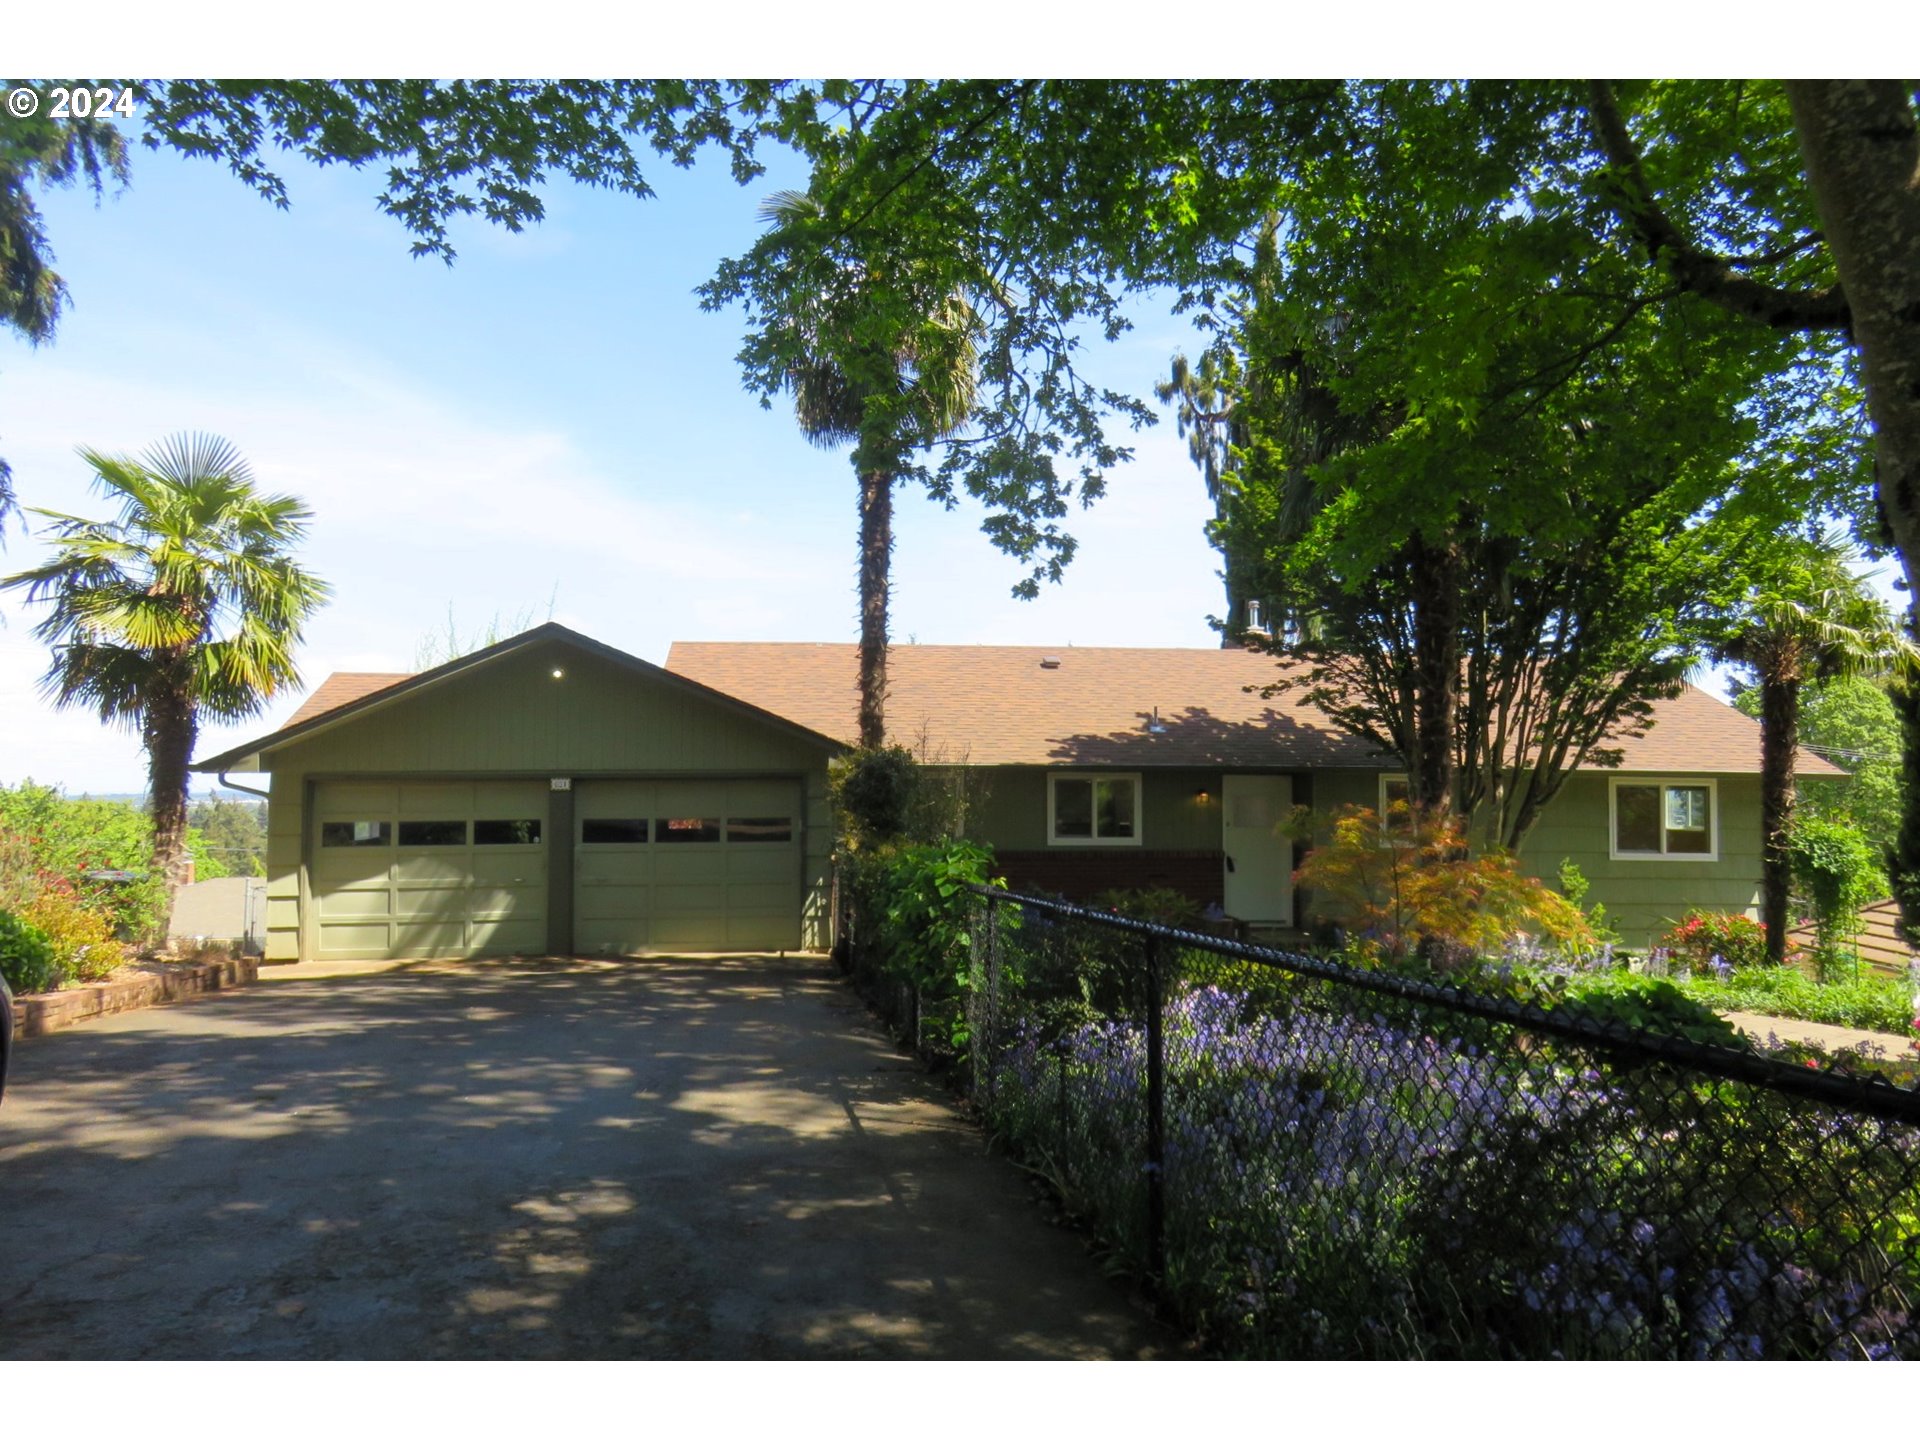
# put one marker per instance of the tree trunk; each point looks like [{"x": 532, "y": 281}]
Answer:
[
  {"x": 1436, "y": 661},
  {"x": 1862, "y": 150},
  {"x": 876, "y": 557},
  {"x": 171, "y": 728},
  {"x": 1903, "y": 858},
  {"x": 1779, "y": 745}
]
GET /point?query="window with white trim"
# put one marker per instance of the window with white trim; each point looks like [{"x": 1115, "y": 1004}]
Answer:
[
  {"x": 1093, "y": 809},
  {"x": 1395, "y": 790},
  {"x": 1664, "y": 819}
]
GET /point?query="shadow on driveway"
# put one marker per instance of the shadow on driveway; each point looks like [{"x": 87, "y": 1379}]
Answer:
[{"x": 660, "y": 1158}]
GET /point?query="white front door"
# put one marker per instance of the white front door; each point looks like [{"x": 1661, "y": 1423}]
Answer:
[{"x": 1259, "y": 859}]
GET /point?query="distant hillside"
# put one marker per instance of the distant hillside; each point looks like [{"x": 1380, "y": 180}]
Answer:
[{"x": 138, "y": 799}]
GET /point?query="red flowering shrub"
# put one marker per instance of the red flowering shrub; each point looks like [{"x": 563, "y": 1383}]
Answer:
[{"x": 1703, "y": 934}]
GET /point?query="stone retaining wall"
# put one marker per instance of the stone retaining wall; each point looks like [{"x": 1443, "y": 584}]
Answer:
[{"x": 38, "y": 1014}]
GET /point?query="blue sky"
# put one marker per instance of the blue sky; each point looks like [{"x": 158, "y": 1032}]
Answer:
[{"x": 551, "y": 421}]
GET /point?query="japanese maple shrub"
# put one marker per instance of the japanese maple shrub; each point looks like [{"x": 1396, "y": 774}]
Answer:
[{"x": 1411, "y": 882}]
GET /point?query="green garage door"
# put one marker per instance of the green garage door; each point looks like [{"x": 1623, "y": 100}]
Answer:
[
  {"x": 686, "y": 865},
  {"x": 442, "y": 869}
]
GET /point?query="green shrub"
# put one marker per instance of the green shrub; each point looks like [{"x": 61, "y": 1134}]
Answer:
[
  {"x": 1703, "y": 935},
  {"x": 874, "y": 791},
  {"x": 1582, "y": 948},
  {"x": 1655, "y": 1005},
  {"x": 928, "y": 913},
  {"x": 52, "y": 839},
  {"x": 889, "y": 794},
  {"x": 913, "y": 924},
  {"x": 1872, "y": 1002},
  {"x": 82, "y": 940},
  {"x": 1159, "y": 904},
  {"x": 1840, "y": 872},
  {"x": 26, "y": 955}
]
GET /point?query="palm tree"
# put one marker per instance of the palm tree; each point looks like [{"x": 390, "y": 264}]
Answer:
[
  {"x": 1810, "y": 618},
  {"x": 189, "y": 603},
  {"x": 880, "y": 351}
]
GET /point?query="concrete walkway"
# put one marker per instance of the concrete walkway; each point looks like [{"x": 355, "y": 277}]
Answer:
[
  {"x": 1827, "y": 1037},
  {"x": 673, "y": 1158}
]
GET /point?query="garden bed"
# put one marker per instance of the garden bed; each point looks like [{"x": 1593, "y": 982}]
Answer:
[{"x": 132, "y": 987}]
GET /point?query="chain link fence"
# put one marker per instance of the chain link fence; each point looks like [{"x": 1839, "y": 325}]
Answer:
[{"x": 1307, "y": 1160}]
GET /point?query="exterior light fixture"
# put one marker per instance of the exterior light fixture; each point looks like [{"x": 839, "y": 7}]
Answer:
[
  {"x": 558, "y": 673},
  {"x": 1201, "y": 795}
]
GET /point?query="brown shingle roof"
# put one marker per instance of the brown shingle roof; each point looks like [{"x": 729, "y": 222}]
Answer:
[
  {"x": 341, "y": 688},
  {"x": 1001, "y": 705}
]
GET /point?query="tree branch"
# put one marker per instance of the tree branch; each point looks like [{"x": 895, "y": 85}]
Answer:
[{"x": 1713, "y": 277}]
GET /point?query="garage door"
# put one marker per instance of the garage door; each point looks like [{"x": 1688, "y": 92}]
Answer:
[
  {"x": 686, "y": 865},
  {"x": 430, "y": 869}
]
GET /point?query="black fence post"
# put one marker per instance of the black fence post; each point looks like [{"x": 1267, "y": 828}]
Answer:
[
  {"x": 984, "y": 1040},
  {"x": 1156, "y": 1115}
]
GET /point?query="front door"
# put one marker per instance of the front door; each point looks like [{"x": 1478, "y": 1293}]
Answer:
[{"x": 1259, "y": 859}]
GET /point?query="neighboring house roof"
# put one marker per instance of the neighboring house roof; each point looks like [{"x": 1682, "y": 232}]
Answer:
[
  {"x": 1004, "y": 705},
  {"x": 343, "y": 696},
  {"x": 341, "y": 688}
]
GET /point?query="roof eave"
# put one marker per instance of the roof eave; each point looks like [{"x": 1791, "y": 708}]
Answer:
[{"x": 246, "y": 758}]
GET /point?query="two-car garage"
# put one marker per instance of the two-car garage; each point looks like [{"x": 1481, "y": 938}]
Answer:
[
  {"x": 550, "y": 796},
  {"x": 470, "y": 867}
]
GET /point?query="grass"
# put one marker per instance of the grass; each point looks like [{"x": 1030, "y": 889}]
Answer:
[{"x": 1871, "y": 1002}]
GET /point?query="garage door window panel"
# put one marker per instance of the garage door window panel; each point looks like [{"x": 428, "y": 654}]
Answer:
[
  {"x": 760, "y": 831},
  {"x": 355, "y": 834},
  {"x": 613, "y": 832},
  {"x": 420, "y": 834},
  {"x": 506, "y": 832},
  {"x": 685, "y": 830}
]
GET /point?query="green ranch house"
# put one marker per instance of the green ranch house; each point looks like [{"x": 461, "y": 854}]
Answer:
[{"x": 551, "y": 794}]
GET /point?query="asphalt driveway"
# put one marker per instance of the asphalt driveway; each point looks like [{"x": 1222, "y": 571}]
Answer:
[{"x": 676, "y": 1158}]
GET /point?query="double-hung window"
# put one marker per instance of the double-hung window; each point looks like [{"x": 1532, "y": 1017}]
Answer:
[
  {"x": 1664, "y": 820},
  {"x": 1396, "y": 790},
  {"x": 1093, "y": 809}
]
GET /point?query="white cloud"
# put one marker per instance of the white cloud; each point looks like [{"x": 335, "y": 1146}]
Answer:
[{"x": 419, "y": 503}]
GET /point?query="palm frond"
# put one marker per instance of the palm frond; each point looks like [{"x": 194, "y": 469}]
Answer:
[{"x": 189, "y": 597}]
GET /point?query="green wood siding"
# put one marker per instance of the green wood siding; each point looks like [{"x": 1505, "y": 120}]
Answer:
[
  {"x": 513, "y": 715},
  {"x": 1643, "y": 897},
  {"x": 1334, "y": 788}
]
